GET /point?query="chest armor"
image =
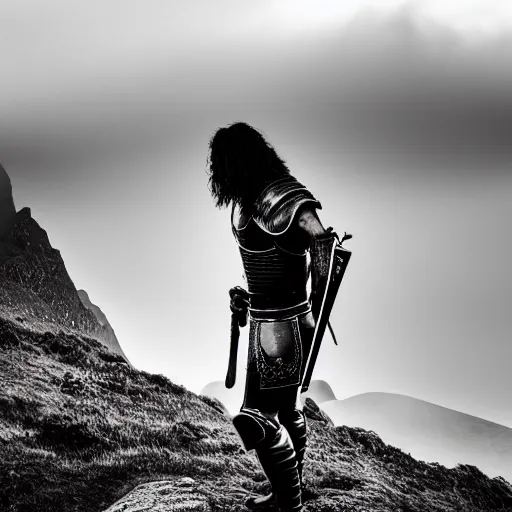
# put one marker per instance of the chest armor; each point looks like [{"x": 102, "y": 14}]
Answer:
[{"x": 273, "y": 249}]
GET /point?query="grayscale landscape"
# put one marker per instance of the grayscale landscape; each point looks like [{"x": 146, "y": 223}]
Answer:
[
  {"x": 115, "y": 265},
  {"x": 82, "y": 429}
]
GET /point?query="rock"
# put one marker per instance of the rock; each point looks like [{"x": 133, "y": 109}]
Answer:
[{"x": 186, "y": 482}]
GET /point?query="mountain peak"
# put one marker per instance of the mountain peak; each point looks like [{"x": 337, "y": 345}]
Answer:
[
  {"x": 35, "y": 287},
  {"x": 83, "y": 294},
  {"x": 7, "y": 209},
  {"x": 24, "y": 213}
]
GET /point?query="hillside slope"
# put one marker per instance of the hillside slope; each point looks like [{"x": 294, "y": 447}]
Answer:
[
  {"x": 79, "y": 428},
  {"x": 35, "y": 287}
]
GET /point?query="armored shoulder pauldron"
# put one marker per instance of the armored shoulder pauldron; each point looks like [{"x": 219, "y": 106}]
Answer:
[{"x": 278, "y": 203}]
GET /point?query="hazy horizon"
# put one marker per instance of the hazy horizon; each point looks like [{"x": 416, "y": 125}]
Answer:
[{"x": 397, "y": 115}]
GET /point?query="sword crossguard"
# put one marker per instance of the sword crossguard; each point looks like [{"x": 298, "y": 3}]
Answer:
[{"x": 346, "y": 236}]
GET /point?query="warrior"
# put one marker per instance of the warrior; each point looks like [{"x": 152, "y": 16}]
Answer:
[{"x": 275, "y": 223}]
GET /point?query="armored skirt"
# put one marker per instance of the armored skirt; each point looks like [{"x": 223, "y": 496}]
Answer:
[{"x": 275, "y": 363}]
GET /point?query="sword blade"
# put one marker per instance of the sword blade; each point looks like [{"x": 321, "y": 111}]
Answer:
[
  {"x": 332, "y": 332},
  {"x": 334, "y": 278}
]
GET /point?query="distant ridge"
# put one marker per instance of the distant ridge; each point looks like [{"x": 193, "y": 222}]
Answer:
[
  {"x": 319, "y": 391},
  {"x": 427, "y": 431},
  {"x": 230, "y": 398}
]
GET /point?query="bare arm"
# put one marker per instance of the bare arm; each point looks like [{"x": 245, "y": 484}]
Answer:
[{"x": 309, "y": 222}]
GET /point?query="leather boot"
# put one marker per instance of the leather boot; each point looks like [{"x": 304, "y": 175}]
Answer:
[
  {"x": 278, "y": 460},
  {"x": 274, "y": 449},
  {"x": 295, "y": 422},
  {"x": 261, "y": 502}
]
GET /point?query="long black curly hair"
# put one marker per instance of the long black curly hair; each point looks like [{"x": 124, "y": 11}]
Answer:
[{"x": 240, "y": 164}]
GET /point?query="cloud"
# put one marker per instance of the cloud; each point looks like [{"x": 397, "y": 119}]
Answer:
[
  {"x": 383, "y": 90},
  {"x": 395, "y": 90}
]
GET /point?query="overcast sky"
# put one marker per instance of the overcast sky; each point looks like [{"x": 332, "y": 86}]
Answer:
[{"x": 397, "y": 115}]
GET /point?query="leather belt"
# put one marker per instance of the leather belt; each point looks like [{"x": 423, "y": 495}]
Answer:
[{"x": 278, "y": 314}]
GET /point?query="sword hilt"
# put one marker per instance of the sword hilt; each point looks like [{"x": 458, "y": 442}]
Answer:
[
  {"x": 233, "y": 352},
  {"x": 346, "y": 236}
]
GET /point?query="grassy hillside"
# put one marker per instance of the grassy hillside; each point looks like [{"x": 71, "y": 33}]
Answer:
[{"x": 79, "y": 428}]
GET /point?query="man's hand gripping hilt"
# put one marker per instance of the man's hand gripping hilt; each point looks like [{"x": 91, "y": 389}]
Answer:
[
  {"x": 320, "y": 260},
  {"x": 239, "y": 305}
]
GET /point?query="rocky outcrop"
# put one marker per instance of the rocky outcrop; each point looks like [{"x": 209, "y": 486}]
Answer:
[
  {"x": 107, "y": 333},
  {"x": 35, "y": 287},
  {"x": 7, "y": 210},
  {"x": 313, "y": 412}
]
